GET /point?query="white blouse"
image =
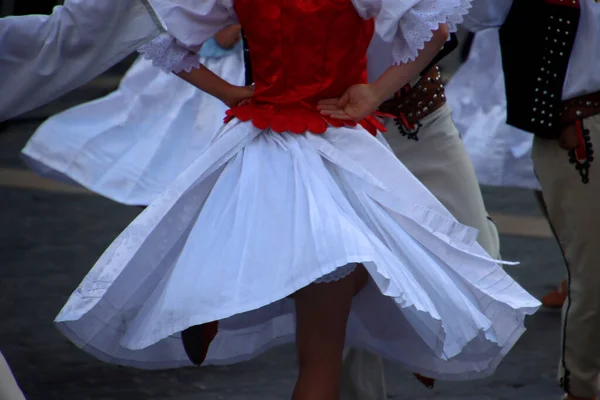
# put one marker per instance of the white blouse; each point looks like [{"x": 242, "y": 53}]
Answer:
[
  {"x": 46, "y": 56},
  {"x": 407, "y": 25},
  {"x": 583, "y": 74}
]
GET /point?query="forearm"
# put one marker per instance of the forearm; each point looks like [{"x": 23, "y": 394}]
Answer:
[
  {"x": 399, "y": 75},
  {"x": 205, "y": 80}
]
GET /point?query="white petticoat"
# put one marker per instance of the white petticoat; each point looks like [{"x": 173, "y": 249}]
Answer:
[
  {"x": 258, "y": 216},
  {"x": 129, "y": 145},
  {"x": 501, "y": 154}
]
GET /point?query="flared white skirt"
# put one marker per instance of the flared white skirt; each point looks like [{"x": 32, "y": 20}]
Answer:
[
  {"x": 129, "y": 145},
  {"x": 501, "y": 154},
  {"x": 259, "y": 215}
]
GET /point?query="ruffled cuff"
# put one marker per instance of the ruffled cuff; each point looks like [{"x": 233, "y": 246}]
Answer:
[
  {"x": 170, "y": 56},
  {"x": 414, "y": 27}
]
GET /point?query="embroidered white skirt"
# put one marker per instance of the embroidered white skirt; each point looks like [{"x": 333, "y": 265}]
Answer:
[{"x": 259, "y": 215}]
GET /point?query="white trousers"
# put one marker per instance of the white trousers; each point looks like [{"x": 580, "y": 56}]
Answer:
[
  {"x": 574, "y": 212},
  {"x": 439, "y": 160}
]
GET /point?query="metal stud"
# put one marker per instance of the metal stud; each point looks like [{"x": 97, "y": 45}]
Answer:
[
  {"x": 425, "y": 110},
  {"x": 425, "y": 90},
  {"x": 579, "y": 113},
  {"x": 430, "y": 104}
]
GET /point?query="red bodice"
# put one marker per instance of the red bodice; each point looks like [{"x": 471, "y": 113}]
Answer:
[{"x": 302, "y": 51}]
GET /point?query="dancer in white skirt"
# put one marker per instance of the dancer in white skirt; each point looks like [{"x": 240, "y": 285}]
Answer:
[
  {"x": 501, "y": 153},
  {"x": 294, "y": 208},
  {"x": 121, "y": 146}
]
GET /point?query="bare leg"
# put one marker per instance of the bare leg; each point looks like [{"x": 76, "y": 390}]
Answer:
[{"x": 322, "y": 313}]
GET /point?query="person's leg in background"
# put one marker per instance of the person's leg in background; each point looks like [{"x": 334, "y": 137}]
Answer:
[
  {"x": 571, "y": 188},
  {"x": 557, "y": 297},
  {"x": 439, "y": 160}
]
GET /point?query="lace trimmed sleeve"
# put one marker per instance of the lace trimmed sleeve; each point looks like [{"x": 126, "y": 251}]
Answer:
[
  {"x": 409, "y": 24},
  {"x": 187, "y": 24},
  {"x": 170, "y": 56}
]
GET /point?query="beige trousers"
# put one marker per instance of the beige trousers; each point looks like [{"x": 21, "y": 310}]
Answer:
[
  {"x": 439, "y": 160},
  {"x": 9, "y": 390},
  {"x": 574, "y": 212}
]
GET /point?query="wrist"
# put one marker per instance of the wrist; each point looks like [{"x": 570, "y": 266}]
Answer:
[
  {"x": 227, "y": 94},
  {"x": 381, "y": 91}
]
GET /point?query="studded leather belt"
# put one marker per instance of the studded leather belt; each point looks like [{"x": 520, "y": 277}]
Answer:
[
  {"x": 581, "y": 107},
  {"x": 413, "y": 103}
]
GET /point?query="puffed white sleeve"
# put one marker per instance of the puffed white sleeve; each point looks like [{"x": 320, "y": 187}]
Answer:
[
  {"x": 44, "y": 56},
  {"x": 187, "y": 24},
  {"x": 409, "y": 24}
]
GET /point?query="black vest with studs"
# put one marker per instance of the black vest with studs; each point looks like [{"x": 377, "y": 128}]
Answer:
[{"x": 536, "y": 41}]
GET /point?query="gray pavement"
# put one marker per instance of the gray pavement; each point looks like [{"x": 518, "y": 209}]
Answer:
[{"x": 49, "y": 240}]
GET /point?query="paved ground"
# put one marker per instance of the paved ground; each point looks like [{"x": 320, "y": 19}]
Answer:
[{"x": 50, "y": 235}]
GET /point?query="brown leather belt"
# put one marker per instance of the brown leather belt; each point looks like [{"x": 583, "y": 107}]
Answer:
[
  {"x": 581, "y": 107},
  {"x": 412, "y": 104}
]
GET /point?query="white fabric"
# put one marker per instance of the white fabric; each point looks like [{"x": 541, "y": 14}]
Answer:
[
  {"x": 408, "y": 25},
  {"x": 260, "y": 215},
  {"x": 582, "y": 74},
  {"x": 487, "y": 14},
  {"x": 129, "y": 145},
  {"x": 189, "y": 24},
  {"x": 9, "y": 389},
  {"x": 46, "y": 56},
  {"x": 338, "y": 274},
  {"x": 501, "y": 154},
  {"x": 169, "y": 56}
]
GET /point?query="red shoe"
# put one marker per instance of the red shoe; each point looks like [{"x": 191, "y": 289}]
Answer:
[
  {"x": 557, "y": 297},
  {"x": 197, "y": 339},
  {"x": 428, "y": 382}
]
